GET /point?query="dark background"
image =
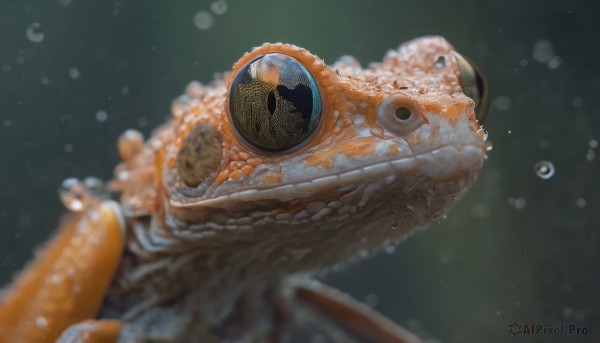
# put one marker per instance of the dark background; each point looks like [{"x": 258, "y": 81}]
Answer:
[{"x": 516, "y": 248}]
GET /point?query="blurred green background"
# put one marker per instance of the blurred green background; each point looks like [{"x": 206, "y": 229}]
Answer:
[{"x": 517, "y": 248}]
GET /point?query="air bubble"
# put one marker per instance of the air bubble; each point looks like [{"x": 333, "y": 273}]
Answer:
[
  {"x": 593, "y": 143},
  {"x": 203, "y": 20},
  {"x": 390, "y": 249},
  {"x": 581, "y": 202},
  {"x": 518, "y": 203},
  {"x": 35, "y": 33},
  {"x": 590, "y": 156},
  {"x": 74, "y": 73},
  {"x": 502, "y": 103},
  {"x": 544, "y": 169},
  {"x": 542, "y": 51},
  {"x": 101, "y": 116},
  {"x": 219, "y": 7}
]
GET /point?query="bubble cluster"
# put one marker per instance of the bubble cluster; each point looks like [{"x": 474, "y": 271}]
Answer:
[{"x": 77, "y": 195}]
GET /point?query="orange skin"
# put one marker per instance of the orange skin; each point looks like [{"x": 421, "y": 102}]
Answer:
[
  {"x": 66, "y": 284},
  {"x": 67, "y": 281}
]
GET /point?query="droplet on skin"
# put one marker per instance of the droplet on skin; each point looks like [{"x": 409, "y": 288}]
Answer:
[
  {"x": 101, "y": 116},
  {"x": 544, "y": 169},
  {"x": 489, "y": 146},
  {"x": 77, "y": 196},
  {"x": 130, "y": 144},
  {"x": 72, "y": 194},
  {"x": 219, "y": 7},
  {"x": 41, "y": 322},
  {"x": 35, "y": 33},
  {"x": 203, "y": 20}
]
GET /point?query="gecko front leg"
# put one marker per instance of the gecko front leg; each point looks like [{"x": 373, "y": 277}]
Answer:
[{"x": 68, "y": 279}]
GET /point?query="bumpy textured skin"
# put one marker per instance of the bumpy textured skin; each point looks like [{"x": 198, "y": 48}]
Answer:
[
  {"x": 360, "y": 182},
  {"x": 211, "y": 262}
]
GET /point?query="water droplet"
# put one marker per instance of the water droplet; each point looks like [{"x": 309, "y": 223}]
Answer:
[
  {"x": 518, "y": 203},
  {"x": 65, "y": 2},
  {"x": 447, "y": 256},
  {"x": 125, "y": 90},
  {"x": 6, "y": 67},
  {"x": 203, "y": 20},
  {"x": 94, "y": 186},
  {"x": 554, "y": 62},
  {"x": 68, "y": 147},
  {"x": 577, "y": 101},
  {"x": 130, "y": 144},
  {"x": 509, "y": 131},
  {"x": 542, "y": 51},
  {"x": 544, "y": 169},
  {"x": 72, "y": 194},
  {"x": 567, "y": 312},
  {"x": 74, "y": 73},
  {"x": 523, "y": 63},
  {"x": 45, "y": 80},
  {"x": 371, "y": 300},
  {"x": 544, "y": 144},
  {"x": 590, "y": 156},
  {"x": 219, "y": 7},
  {"x": 7, "y": 123},
  {"x": 593, "y": 143},
  {"x": 390, "y": 249},
  {"x": 489, "y": 146},
  {"x": 578, "y": 315},
  {"x": 101, "y": 116},
  {"x": 581, "y": 202},
  {"x": 41, "y": 322},
  {"x": 35, "y": 33},
  {"x": 502, "y": 103}
]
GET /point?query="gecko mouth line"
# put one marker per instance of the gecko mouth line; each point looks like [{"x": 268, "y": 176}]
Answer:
[{"x": 386, "y": 170}]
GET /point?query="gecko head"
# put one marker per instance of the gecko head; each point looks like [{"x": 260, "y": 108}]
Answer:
[{"x": 284, "y": 141}]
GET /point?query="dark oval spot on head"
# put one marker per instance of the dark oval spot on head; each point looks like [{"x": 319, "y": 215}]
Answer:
[{"x": 200, "y": 154}]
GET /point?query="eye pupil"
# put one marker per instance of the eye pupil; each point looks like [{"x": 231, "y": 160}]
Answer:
[
  {"x": 274, "y": 102},
  {"x": 402, "y": 113},
  {"x": 271, "y": 102}
]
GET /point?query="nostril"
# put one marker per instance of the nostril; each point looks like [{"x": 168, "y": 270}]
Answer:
[
  {"x": 400, "y": 114},
  {"x": 403, "y": 113}
]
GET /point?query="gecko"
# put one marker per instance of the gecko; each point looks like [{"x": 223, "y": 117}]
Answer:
[{"x": 276, "y": 171}]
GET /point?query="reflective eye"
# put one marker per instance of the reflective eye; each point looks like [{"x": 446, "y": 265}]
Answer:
[
  {"x": 274, "y": 102},
  {"x": 475, "y": 86}
]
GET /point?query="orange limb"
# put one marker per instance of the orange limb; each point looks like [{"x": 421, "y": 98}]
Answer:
[{"x": 66, "y": 282}]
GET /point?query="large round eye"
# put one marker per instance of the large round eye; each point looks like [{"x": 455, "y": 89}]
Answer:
[
  {"x": 475, "y": 86},
  {"x": 274, "y": 102}
]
